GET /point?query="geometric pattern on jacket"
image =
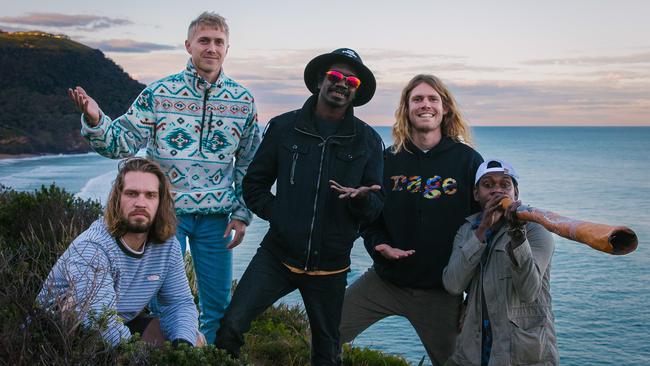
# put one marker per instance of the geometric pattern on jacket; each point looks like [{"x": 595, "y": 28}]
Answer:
[{"x": 203, "y": 136}]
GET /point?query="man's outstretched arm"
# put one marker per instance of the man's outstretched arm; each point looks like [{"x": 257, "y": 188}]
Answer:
[{"x": 118, "y": 138}]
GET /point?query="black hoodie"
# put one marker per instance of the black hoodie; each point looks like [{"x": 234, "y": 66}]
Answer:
[{"x": 428, "y": 196}]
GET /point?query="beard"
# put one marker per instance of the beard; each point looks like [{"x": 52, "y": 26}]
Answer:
[
  {"x": 337, "y": 101},
  {"x": 127, "y": 225}
]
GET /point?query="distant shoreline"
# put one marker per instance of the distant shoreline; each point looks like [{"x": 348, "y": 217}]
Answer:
[
  {"x": 39, "y": 155},
  {"x": 19, "y": 156}
]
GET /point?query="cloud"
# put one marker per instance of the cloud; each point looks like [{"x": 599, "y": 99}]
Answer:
[
  {"x": 553, "y": 102},
  {"x": 504, "y": 102},
  {"x": 275, "y": 78},
  {"x": 85, "y": 22},
  {"x": 447, "y": 67},
  {"x": 148, "y": 67},
  {"x": 637, "y": 58},
  {"x": 392, "y": 55},
  {"x": 609, "y": 75},
  {"x": 130, "y": 46}
]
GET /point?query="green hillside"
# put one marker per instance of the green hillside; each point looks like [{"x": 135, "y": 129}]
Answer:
[
  {"x": 36, "y": 69},
  {"x": 40, "y": 40}
]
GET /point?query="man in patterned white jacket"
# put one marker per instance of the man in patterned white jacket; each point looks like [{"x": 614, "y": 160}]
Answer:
[{"x": 201, "y": 127}]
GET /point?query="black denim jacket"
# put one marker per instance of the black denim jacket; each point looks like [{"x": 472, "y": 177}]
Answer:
[{"x": 310, "y": 227}]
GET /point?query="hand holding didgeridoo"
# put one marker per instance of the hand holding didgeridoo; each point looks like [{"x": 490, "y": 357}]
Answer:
[{"x": 616, "y": 240}]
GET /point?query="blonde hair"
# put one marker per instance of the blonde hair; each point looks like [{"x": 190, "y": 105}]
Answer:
[
  {"x": 453, "y": 125},
  {"x": 209, "y": 19},
  {"x": 164, "y": 222}
]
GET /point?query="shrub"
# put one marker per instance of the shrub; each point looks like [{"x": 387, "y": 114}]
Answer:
[
  {"x": 50, "y": 214},
  {"x": 279, "y": 336},
  {"x": 37, "y": 227},
  {"x": 367, "y": 357},
  {"x": 136, "y": 352}
]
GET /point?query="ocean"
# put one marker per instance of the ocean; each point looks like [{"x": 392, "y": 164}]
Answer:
[{"x": 600, "y": 174}]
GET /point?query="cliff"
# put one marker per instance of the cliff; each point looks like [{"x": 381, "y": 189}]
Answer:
[{"x": 37, "y": 68}]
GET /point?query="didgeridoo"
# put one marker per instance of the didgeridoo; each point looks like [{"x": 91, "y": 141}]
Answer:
[{"x": 616, "y": 240}]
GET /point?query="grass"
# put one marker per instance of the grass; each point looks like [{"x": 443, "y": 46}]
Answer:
[{"x": 36, "y": 228}]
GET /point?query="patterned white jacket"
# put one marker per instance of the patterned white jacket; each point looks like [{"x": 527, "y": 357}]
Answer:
[{"x": 203, "y": 136}]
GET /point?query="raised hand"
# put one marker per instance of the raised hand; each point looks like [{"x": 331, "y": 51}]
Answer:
[
  {"x": 492, "y": 214},
  {"x": 391, "y": 253},
  {"x": 511, "y": 215},
  {"x": 516, "y": 229},
  {"x": 87, "y": 105},
  {"x": 348, "y": 192}
]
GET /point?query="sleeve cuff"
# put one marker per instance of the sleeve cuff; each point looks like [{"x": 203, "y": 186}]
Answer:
[
  {"x": 178, "y": 341},
  {"x": 242, "y": 215},
  {"x": 87, "y": 129},
  {"x": 520, "y": 254}
]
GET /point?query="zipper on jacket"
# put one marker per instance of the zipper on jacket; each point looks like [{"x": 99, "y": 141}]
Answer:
[
  {"x": 482, "y": 281},
  {"x": 294, "y": 159},
  {"x": 480, "y": 299},
  {"x": 320, "y": 172},
  {"x": 207, "y": 136},
  {"x": 205, "y": 102},
  {"x": 313, "y": 216}
]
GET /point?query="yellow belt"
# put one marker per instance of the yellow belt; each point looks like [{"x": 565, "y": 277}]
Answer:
[{"x": 315, "y": 273}]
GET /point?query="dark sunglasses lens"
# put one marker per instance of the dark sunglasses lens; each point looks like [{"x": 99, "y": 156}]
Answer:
[
  {"x": 334, "y": 76},
  {"x": 353, "y": 82}
]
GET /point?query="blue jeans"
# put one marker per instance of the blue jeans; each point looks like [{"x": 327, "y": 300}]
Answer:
[{"x": 212, "y": 265}]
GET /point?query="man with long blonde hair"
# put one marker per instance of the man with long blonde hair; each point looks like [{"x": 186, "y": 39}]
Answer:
[
  {"x": 124, "y": 260},
  {"x": 428, "y": 180}
]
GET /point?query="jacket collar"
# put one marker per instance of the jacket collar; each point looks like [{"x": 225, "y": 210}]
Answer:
[
  {"x": 192, "y": 77},
  {"x": 445, "y": 144},
  {"x": 305, "y": 122},
  {"x": 475, "y": 220}
]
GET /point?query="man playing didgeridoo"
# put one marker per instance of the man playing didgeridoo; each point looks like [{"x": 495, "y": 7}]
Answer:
[{"x": 504, "y": 264}]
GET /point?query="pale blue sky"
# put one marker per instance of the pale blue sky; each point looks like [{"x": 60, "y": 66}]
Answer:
[{"x": 508, "y": 62}]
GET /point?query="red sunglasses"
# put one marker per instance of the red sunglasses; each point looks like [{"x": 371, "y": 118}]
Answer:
[{"x": 335, "y": 77}]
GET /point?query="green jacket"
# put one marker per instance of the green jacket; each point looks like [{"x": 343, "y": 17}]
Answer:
[{"x": 517, "y": 295}]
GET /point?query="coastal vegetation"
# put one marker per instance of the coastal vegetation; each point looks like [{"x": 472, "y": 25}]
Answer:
[
  {"x": 37, "y": 68},
  {"x": 36, "y": 227}
]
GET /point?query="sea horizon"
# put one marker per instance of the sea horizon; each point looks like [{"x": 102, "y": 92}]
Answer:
[{"x": 4, "y": 156}]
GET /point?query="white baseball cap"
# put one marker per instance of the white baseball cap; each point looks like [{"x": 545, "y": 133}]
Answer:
[{"x": 495, "y": 165}]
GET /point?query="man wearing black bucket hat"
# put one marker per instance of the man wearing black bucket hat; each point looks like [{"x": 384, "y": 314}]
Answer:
[{"x": 327, "y": 166}]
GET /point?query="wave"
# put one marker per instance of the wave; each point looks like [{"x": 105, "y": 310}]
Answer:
[
  {"x": 97, "y": 188},
  {"x": 9, "y": 161}
]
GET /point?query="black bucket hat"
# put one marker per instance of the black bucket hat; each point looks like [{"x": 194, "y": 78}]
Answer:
[{"x": 346, "y": 56}]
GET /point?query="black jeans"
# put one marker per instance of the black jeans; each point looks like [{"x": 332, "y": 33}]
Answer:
[{"x": 266, "y": 280}]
